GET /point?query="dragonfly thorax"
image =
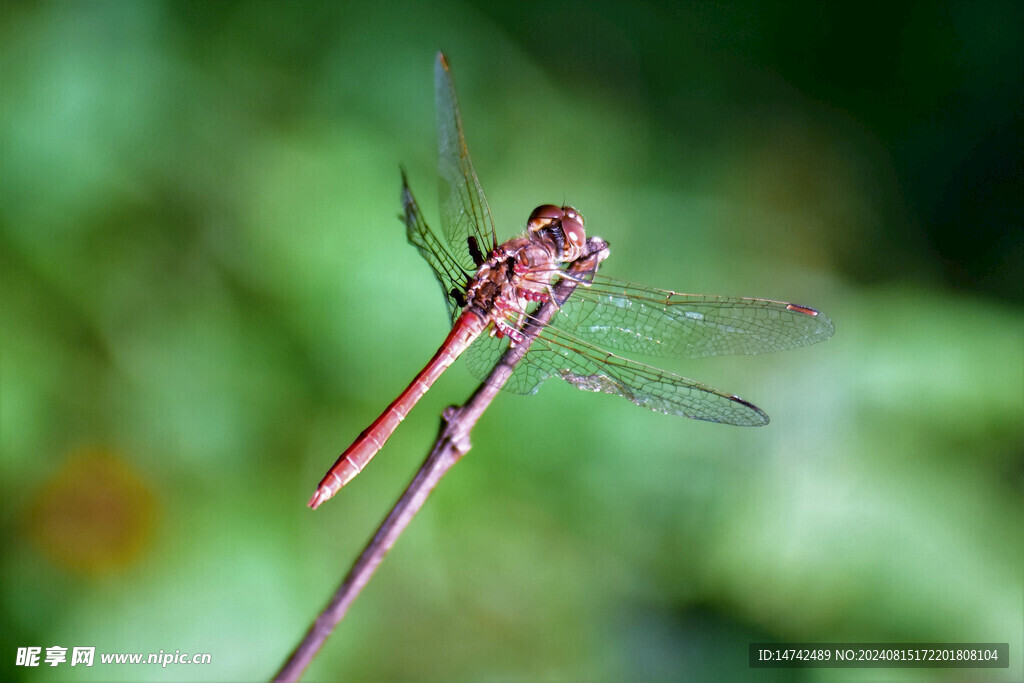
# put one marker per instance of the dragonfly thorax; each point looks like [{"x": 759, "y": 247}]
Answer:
[{"x": 522, "y": 270}]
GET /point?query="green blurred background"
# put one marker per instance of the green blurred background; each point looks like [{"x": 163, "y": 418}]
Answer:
[{"x": 205, "y": 294}]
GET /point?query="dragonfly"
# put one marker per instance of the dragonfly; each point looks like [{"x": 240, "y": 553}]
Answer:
[{"x": 493, "y": 291}]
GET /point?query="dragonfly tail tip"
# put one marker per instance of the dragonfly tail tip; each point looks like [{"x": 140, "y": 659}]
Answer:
[{"x": 318, "y": 498}]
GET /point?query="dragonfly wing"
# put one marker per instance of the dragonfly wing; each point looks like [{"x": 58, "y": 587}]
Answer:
[
  {"x": 590, "y": 368},
  {"x": 446, "y": 269},
  {"x": 483, "y": 355},
  {"x": 636, "y": 319},
  {"x": 556, "y": 354},
  {"x": 465, "y": 216}
]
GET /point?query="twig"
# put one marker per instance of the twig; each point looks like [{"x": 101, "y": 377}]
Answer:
[{"x": 452, "y": 443}]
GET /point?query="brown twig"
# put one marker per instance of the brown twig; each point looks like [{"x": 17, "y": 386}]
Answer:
[{"x": 452, "y": 443}]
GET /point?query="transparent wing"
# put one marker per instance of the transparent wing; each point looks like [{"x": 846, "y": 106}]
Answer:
[
  {"x": 465, "y": 217},
  {"x": 608, "y": 313},
  {"x": 446, "y": 268},
  {"x": 589, "y": 368},
  {"x": 632, "y": 318}
]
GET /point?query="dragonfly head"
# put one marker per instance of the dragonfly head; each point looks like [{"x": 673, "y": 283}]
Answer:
[{"x": 561, "y": 225}]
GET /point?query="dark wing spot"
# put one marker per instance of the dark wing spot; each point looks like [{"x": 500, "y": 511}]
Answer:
[
  {"x": 474, "y": 251},
  {"x": 458, "y": 297}
]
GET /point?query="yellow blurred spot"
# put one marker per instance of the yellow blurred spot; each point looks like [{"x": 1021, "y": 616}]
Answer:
[{"x": 94, "y": 515}]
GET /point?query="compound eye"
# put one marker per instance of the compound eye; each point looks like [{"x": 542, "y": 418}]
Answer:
[
  {"x": 573, "y": 214},
  {"x": 543, "y": 216},
  {"x": 575, "y": 234}
]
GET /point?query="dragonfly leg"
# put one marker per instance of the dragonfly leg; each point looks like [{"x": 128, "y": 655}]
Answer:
[{"x": 503, "y": 329}]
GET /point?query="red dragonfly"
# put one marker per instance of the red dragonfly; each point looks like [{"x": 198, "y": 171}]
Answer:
[{"x": 493, "y": 289}]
